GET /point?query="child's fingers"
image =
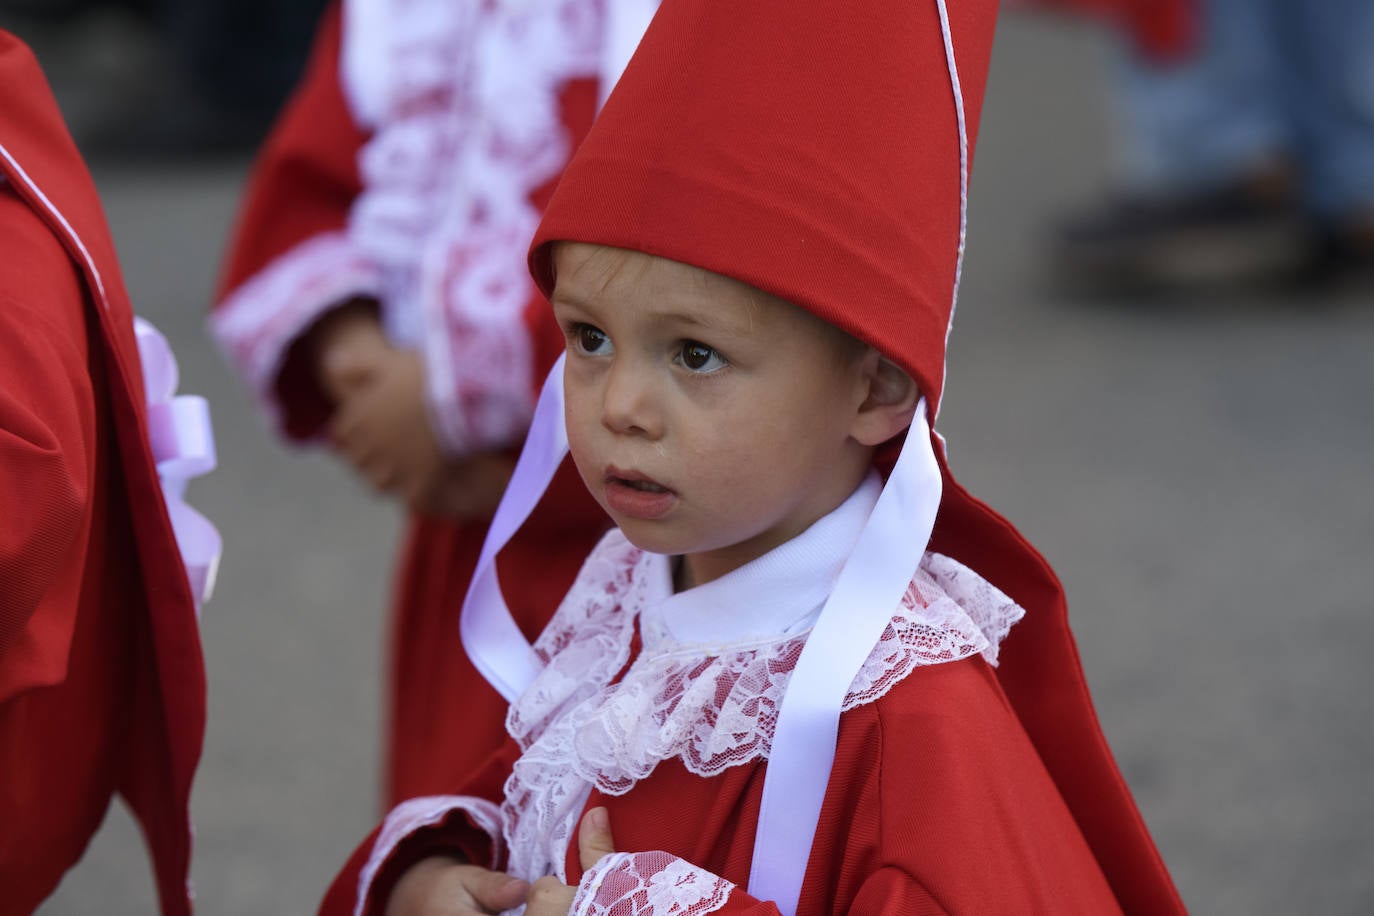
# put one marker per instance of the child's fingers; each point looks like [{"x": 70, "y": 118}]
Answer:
[
  {"x": 549, "y": 897},
  {"x": 594, "y": 840},
  {"x": 495, "y": 891}
]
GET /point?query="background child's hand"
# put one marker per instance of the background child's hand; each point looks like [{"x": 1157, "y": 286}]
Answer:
[
  {"x": 381, "y": 419},
  {"x": 467, "y": 488},
  {"x": 551, "y": 897},
  {"x": 441, "y": 886},
  {"x": 381, "y": 425}
]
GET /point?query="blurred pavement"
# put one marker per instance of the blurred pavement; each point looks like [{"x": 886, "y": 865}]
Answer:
[{"x": 1200, "y": 474}]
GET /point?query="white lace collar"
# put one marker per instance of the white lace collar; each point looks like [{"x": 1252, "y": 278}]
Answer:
[
  {"x": 712, "y": 706},
  {"x": 783, "y": 590}
]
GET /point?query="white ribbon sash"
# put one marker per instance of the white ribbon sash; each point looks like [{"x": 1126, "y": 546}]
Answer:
[
  {"x": 868, "y": 591},
  {"x": 490, "y": 635}
]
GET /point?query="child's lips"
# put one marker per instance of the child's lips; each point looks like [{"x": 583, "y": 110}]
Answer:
[{"x": 636, "y": 495}]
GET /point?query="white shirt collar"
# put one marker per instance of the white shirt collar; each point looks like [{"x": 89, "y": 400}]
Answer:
[{"x": 779, "y": 594}]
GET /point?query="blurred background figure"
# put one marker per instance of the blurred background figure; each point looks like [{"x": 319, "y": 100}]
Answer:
[
  {"x": 1249, "y": 158},
  {"x": 172, "y": 78},
  {"x": 376, "y": 300}
]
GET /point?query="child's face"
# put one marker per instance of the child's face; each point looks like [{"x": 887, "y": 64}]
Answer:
[{"x": 708, "y": 418}]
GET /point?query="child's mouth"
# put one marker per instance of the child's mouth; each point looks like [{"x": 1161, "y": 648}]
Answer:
[
  {"x": 634, "y": 495},
  {"x": 648, "y": 486}
]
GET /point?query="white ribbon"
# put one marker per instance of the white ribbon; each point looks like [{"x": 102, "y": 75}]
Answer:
[
  {"x": 868, "y": 591},
  {"x": 490, "y": 635},
  {"x": 183, "y": 446}
]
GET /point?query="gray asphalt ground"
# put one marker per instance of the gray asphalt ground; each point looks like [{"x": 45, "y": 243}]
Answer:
[{"x": 1201, "y": 474}]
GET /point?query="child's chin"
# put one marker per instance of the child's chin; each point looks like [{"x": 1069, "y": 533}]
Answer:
[{"x": 641, "y": 534}]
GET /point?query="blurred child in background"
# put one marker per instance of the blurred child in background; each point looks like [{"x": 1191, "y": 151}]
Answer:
[{"x": 375, "y": 299}]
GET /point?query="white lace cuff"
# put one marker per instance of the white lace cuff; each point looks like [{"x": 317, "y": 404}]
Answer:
[
  {"x": 257, "y": 324},
  {"x": 652, "y": 883},
  {"x": 416, "y": 814}
]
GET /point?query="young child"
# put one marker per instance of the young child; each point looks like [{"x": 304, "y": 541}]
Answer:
[
  {"x": 775, "y": 687},
  {"x": 102, "y": 686},
  {"x": 376, "y": 298}
]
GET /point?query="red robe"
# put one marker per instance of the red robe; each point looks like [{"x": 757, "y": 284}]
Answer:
[
  {"x": 972, "y": 825},
  {"x": 939, "y": 799},
  {"x": 102, "y": 684},
  {"x": 443, "y": 717}
]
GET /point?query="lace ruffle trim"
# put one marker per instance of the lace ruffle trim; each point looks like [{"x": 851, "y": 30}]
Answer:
[
  {"x": 470, "y": 127},
  {"x": 651, "y": 884},
  {"x": 711, "y": 710},
  {"x": 717, "y": 709}
]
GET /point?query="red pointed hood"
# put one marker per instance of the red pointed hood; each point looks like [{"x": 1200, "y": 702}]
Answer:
[{"x": 809, "y": 150}]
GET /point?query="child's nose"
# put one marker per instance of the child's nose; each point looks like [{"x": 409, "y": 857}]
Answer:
[{"x": 628, "y": 406}]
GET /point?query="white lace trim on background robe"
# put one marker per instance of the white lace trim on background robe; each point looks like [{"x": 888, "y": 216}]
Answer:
[{"x": 464, "y": 102}]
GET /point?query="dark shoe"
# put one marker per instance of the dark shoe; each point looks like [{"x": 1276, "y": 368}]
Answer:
[
  {"x": 1245, "y": 233},
  {"x": 1341, "y": 256}
]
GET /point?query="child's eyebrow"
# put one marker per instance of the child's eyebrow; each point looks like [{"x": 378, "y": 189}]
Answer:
[
  {"x": 709, "y": 323},
  {"x": 678, "y": 316}
]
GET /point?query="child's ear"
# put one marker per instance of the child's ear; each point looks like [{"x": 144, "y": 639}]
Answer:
[{"x": 891, "y": 400}]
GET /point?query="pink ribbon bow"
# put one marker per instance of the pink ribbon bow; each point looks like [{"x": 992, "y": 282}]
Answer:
[{"x": 183, "y": 445}]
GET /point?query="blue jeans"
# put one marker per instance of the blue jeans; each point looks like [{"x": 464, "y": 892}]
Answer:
[{"x": 1272, "y": 79}]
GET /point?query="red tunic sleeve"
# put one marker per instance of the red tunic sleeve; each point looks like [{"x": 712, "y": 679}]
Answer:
[{"x": 467, "y": 826}]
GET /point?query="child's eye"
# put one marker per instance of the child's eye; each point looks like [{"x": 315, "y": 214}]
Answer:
[
  {"x": 591, "y": 340},
  {"x": 698, "y": 357}
]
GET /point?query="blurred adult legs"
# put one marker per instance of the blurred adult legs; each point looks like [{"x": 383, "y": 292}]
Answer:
[
  {"x": 1254, "y": 159},
  {"x": 1195, "y": 126},
  {"x": 1330, "y": 100}
]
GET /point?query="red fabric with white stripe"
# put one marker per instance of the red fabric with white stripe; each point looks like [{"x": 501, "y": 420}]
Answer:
[{"x": 102, "y": 685}]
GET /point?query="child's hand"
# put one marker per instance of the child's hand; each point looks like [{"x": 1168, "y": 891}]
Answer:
[
  {"x": 441, "y": 886},
  {"x": 551, "y": 897},
  {"x": 468, "y": 488},
  {"x": 381, "y": 425}
]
